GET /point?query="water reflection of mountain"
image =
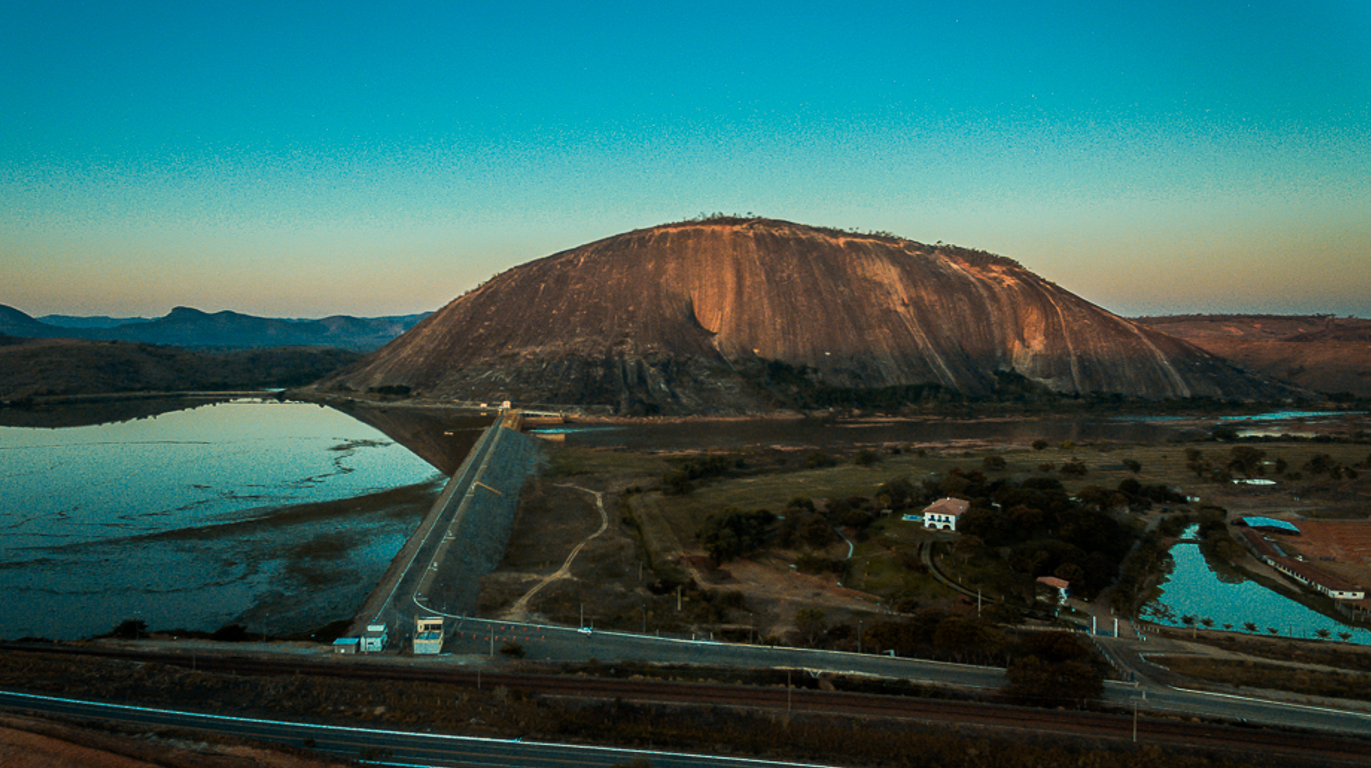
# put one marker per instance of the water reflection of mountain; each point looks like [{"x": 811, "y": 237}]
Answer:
[
  {"x": 84, "y": 412},
  {"x": 440, "y": 436}
]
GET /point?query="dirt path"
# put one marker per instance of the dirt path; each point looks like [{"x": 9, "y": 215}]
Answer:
[{"x": 519, "y": 610}]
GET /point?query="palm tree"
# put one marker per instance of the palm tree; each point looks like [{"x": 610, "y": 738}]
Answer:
[
  {"x": 1322, "y": 633},
  {"x": 1250, "y": 626},
  {"x": 1228, "y": 626},
  {"x": 1345, "y": 636},
  {"x": 1273, "y": 630},
  {"x": 1207, "y": 622},
  {"x": 1189, "y": 621}
]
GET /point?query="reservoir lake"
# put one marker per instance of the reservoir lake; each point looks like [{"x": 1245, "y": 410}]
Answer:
[
  {"x": 276, "y": 515},
  {"x": 1195, "y": 588},
  {"x": 282, "y": 516}
]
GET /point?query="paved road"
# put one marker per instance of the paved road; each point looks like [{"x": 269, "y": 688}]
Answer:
[
  {"x": 480, "y": 636},
  {"x": 1149, "y": 694},
  {"x": 391, "y": 747},
  {"x": 483, "y": 637}
]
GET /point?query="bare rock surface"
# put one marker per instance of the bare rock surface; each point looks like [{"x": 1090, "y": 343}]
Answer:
[{"x": 703, "y": 317}]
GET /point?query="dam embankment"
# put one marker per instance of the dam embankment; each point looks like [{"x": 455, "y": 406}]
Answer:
[{"x": 461, "y": 539}]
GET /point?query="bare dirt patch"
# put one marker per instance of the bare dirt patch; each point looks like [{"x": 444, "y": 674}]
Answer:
[
  {"x": 1341, "y": 547},
  {"x": 33, "y": 743}
]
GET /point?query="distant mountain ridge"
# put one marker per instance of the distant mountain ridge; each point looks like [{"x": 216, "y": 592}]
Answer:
[
  {"x": 94, "y": 321},
  {"x": 743, "y": 315},
  {"x": 45, "y": 368},
  {"x": 195, "y": 329},
  {"x": 1323, "y": 353}
]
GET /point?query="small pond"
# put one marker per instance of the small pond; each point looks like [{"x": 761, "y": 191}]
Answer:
[{"x": 1196, "y": 589}]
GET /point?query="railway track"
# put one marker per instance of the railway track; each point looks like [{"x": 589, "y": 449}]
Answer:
[{"x": 1235, "y": 740}]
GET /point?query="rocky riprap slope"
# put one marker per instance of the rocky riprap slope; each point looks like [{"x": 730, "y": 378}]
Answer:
[{"x": 706, "y": 316}]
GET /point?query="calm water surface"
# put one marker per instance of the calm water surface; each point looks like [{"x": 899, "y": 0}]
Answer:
[
  {"x": 1196, "y": 589},
  {"x": 185, "y": 520}
]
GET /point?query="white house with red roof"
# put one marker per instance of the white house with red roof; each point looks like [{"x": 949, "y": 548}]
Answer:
[{"x": 942, "y": 514}]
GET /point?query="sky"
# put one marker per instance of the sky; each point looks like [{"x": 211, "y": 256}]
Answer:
[{"x": 305, "y": 159}]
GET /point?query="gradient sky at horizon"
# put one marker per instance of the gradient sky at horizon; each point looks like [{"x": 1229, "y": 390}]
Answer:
[{"x": 305, "y": 159}]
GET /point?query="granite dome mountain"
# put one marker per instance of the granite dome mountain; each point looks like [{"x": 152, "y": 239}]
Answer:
[{"x": 736, "y": 315}]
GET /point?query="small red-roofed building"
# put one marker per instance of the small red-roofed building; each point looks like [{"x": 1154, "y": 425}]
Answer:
[
  {"x": 942, "y": 514},
  {"x": 1058, "y": 589}
]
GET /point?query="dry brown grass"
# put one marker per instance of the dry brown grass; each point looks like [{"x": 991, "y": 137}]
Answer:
[{"x": 1264, "y": 675}]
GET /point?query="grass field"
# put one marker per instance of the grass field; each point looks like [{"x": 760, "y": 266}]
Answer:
[{"x": 661, "y": 528}]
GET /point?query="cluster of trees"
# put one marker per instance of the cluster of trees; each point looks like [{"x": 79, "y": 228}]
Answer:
[
  {"x": 1215, "y": 539},
  {"x": 1323, "y": 464},
  {"x": 1044, "y": 668},
  {"x": 1054, "y": 669},
  {"x": 682, "y": 478},
  {"x": 1136, "y": 495},
  {"x": 1039, "y": 530},
  {"x": 731, "y": 532},
  {"x": 1250, "y": 461}
]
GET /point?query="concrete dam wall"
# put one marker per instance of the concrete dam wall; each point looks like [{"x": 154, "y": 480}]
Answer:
[
  {"x": 482, "y": 522},
  {"x": 462, "y": 538}
]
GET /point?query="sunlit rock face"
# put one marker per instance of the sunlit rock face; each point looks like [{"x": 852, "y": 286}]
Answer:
[{"x": 688, "y": 317}]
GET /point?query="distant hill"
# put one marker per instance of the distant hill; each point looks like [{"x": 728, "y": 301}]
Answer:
[
  {"x": 58, "y": 367},
  {"x": 94, "y": 321},
  {"x": 1322, "y": 353},
  {"x": 737, "y": 315},
  {"x": 194, "y": 329},
  {"x": 16, "y": 323}
]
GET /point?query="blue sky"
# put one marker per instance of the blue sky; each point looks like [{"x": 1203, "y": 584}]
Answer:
[{"x": 305, "y": 159}]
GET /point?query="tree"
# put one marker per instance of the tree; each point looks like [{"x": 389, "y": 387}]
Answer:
[
  {"x": 1320, "y": 463},
  {"x": 899, "y": 493},
  {"x": 820, "y": 460},
  {"x": 866, "y": 458},
  {"x": 810, "y": 624},
  {"x": 1207, "y": 622},
  {"x": 815, "y": 531},
  {"x": 131, "y": 629},
  {"x": 1323, "y": 633},
  {"x": 1047, "y": 684},
  {"x": 731, "y": 532},
  {"x": 1345, "y": 636},
  {"x": 1250, "y": 626},
  {"x": 1189, "y": 621},
  {"x": 994, "y": 463},
  {"x": 1074, "y": 468},
  {"x": 1246, "y": 459},
  {"x": 956, "y": 636},
  {"x": 230, "y": 633},
  {"x": 1053, "y": 647}
]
